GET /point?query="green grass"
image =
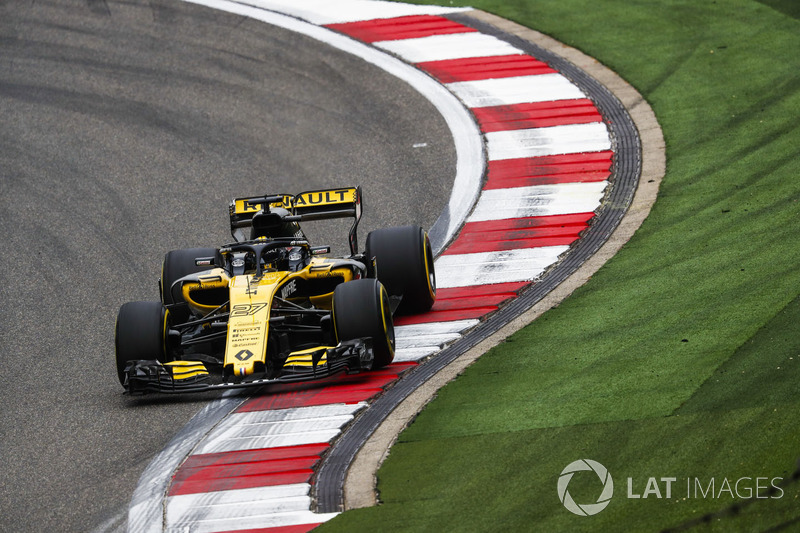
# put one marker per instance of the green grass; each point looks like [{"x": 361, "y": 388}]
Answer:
[{"x": 681, "y": 357}]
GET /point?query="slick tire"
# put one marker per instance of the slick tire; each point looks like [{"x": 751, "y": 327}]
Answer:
[
  {"x": 361, "y": 310},
  {"x": 404, "y": 264},
  {"x": 141, "y": 333},
  {"x": 179, "y": 263}
]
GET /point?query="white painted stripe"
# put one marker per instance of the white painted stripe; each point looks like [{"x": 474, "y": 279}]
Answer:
[
  {"x": 569, "y": 139},
  {"x": 327, "y": 12},
  {"x": 186, "y": 508},
  {"x": 537, "y": 201},
  {"x": 451, "y": 46},
  {"x": 527, "y": 264},
  {"x": 184, "y": 501},
  {"x": 414, "y": 354},
  {"x": 273, "y": 441},
  {"x": 515, "y": 90},
  {"x": 430, "y": 328},
  {"x": 427, "y": 341},
  {"x": 288, "y": 504},
  {"x": 294, "y": 413},
  {"x": 419, "y": 341},
  {"x": 284, "y": 427},
  {"x": 230, "y": 510},
  {"x": 280, "y": 427},
  {"x": 213, "y": 525}
]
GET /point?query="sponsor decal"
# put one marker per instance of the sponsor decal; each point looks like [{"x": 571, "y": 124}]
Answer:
[
  {"x": 245, "y": 205},
  {"x": 242, "y": 337},
  {"x": 289, "y": 289},
  {"x": 240, "y": 310},
  {"x": 244, "y": 355},
  {"x": 324, "y": 197}
]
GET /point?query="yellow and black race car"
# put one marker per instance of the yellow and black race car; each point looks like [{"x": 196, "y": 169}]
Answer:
[{"x": 270, "y": 307}]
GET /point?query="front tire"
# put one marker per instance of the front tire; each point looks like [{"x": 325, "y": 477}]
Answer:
[
  {"x": 404, "y": 263},
  {"x": 361, "y": 309},
  {"x": 177, "y": 264},
  {"x": 141, "y": 333}
]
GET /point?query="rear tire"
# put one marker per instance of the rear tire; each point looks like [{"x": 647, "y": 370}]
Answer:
[
  {"x": 404, "y": 262},
  {"x": 141, "y": 333},
  {"x": 361, "y": 309},
  {"x": 177, "y": 264}
]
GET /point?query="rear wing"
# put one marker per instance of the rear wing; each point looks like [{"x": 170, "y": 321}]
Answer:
[{"x": 310, "y": 205}]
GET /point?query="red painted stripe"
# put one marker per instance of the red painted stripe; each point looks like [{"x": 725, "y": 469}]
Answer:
[
  {"x": 226, "y": 473},
  {"x": 336, "y": 389},
  {"x": 248, "y": 456},
  {"x": 529, "y": 181},
  {"x": 544, "y": 170},
  {"x": 512, "y": 234},
  {"x": 553, "y": 164},
  {"x": 246, "y": 469},
  {"x": 540, "y": 223},
  {"x": 471, "y": 302},
  {"x": 563, "y": 118},
  {"x": 444, "y": 316},
  {"x": 300, "y": 528},
  {"x": 255, "y": 468},
  {"x": 536, "y": 115},
  {"x": 410, "y": 27},
  {"x": 462, "y": 303},
  {"x": 550, "y": 221},
  {"x": 241, "y": 482},
  {"x": 510, "y": 288},
  {"x": 473, "y": 244},
  {"x": 309, "y": 398},
  {"x": 190, "y": 479},
  {"x": 484, "y": 68}
]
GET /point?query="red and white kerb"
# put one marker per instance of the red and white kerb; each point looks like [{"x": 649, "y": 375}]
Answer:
[{"x": 549, "y": 157}]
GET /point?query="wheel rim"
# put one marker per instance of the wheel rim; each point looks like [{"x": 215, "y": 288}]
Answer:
[
  {"x": 429, "y": 268},
  {"x": 386, "y": 318}
]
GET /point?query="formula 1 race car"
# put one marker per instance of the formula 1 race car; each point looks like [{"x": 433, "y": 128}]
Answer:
[{"x": 270, "y": 307}]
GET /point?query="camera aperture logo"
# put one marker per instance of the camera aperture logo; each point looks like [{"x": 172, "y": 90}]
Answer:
[{"x": 585, "y": 509}]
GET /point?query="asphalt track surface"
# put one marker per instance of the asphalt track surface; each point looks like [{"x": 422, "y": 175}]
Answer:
[{"x": 127, "y": 127}]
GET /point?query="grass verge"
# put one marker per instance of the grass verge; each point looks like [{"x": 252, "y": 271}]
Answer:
[{"x": 679, "y": 359}]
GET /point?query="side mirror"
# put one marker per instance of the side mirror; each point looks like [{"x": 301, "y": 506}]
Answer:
[{"x": 204, "y": 261}]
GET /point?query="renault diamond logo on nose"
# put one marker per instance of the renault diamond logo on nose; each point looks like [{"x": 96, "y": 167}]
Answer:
[
  {"x": 244, "y": 355},
  {"x": 585, "y": 509}
]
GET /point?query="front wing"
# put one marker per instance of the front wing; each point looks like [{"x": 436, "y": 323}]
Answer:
[{"x": 145, "y": 376}]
